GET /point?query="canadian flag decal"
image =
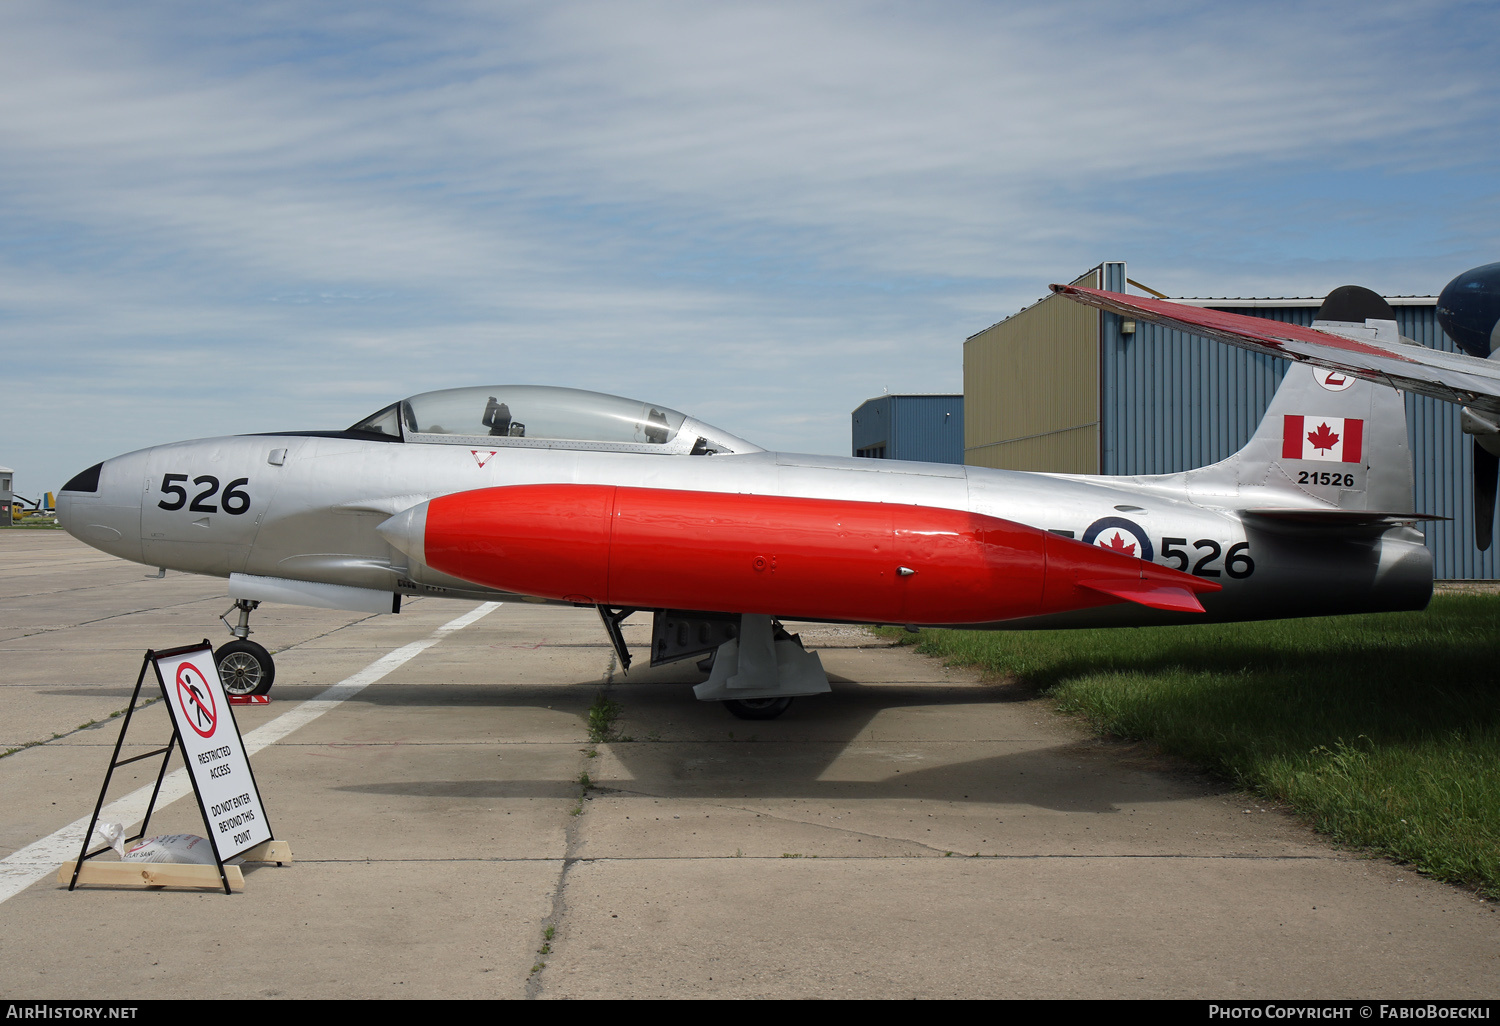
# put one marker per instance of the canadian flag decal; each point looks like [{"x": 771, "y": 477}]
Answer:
[{"x": 1332, "y": 439}]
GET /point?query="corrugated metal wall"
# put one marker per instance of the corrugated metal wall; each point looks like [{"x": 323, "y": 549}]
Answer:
[
  {"x": 870, "y": 425},
  {"x": 911, "y": 427},
  {"x": 1031, "y": 389},
  {"x": 1173, "y": 401},
  {"x": 929, "y": 427}
]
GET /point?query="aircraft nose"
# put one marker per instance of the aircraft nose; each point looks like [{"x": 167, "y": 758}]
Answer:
[
  {"x": 1469, "y": 310},
  {"x": 101, "y": 506}
]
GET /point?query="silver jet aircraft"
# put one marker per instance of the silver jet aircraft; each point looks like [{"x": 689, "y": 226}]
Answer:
[{"x": 558, "y": 495}]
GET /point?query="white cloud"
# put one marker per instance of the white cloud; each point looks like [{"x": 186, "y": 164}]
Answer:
[{"x": 768, "y": 210}]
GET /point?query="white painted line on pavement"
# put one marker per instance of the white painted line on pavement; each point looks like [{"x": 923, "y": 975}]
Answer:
[{"x": 25, "y": 867}]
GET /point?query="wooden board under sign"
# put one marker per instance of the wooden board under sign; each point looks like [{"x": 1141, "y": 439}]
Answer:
[{"x": 152, "y": 874}]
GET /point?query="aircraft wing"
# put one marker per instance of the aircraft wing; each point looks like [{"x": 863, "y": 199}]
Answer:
[{"x": 1452, "y": 377}]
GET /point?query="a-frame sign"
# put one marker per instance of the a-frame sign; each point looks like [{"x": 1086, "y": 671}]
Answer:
[{"x": 205, "y": 729}]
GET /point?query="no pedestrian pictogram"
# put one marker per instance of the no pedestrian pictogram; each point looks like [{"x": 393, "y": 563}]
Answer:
[{"x": 196, "y": 699}]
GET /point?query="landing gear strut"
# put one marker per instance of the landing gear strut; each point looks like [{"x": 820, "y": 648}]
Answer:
[
  {"x": 755, "y": 667},
  {"x": 245, "y": 667},
  {"x": 757, "y": 673}
]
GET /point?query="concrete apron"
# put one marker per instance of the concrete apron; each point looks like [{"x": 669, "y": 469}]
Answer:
[{"x": 916, "y": 833}]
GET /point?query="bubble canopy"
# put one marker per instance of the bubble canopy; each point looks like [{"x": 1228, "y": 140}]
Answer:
[{"x": 541, "y": 416}]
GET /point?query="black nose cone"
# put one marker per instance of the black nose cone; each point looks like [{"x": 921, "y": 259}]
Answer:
[
  {"x": 1469, "y": 308},
  {"x": 87, "y": 481}
]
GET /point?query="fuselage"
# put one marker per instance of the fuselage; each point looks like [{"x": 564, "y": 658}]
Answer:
[{"x": 306, "y": 507}]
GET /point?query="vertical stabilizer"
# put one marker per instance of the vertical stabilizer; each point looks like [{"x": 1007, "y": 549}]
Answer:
[{"x": 1328, "y": 439}]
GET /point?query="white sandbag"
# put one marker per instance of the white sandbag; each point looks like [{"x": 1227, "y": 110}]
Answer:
[{"x": 188, "y": 848}]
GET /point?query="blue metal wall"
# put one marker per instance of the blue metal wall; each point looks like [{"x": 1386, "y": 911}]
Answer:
[
  {"x": 912, "y": 427},
  {"x": 1171, "y": 401},
  {"x": 870, "y": 425}
]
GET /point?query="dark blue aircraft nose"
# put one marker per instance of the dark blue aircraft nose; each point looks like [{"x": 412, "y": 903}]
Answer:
[{"x": 1469, "y": 310}]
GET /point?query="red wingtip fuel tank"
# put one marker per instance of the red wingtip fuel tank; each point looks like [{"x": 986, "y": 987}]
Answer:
[{"x": 815, "y": 559}]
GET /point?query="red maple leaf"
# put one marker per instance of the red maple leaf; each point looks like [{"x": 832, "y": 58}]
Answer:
[
  {"x": 1117, "y": 544},
  {"x": 1322, "y": 439}
]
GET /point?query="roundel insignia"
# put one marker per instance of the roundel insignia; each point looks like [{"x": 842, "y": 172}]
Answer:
[
  {"x": 1334, "y": 381},
  {"x": 1120, "y": 535}
]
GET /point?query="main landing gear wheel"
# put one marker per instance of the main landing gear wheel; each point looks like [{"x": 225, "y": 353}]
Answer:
[
  {"x": 245, "y": 668},
  {"x": 756, "y": 708}
]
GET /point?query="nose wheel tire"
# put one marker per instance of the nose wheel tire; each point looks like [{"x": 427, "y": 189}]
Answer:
[
  {"x": 245, "y": 668},
  {"x": 758, "y": 708}
]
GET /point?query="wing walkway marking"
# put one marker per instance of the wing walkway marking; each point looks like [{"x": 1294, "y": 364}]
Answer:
[{"x": 41, "y": 858}]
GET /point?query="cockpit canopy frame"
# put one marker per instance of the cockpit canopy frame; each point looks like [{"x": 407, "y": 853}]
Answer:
[{"x": 547, "y": 417}]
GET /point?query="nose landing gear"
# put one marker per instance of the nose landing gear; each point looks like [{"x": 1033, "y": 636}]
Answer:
[{"x": 245, "y": 667}]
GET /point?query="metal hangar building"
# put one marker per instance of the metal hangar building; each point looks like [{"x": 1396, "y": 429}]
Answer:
[
  {"x": 910, "y": 427},
  {"x": 1065, "y": 388}
]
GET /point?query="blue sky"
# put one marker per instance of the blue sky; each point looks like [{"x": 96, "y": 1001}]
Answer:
[{"x": 218, "y": 218}]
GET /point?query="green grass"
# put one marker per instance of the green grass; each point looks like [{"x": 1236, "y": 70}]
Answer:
[
  {"x": 601, "y": 720},
  {"x": 1383, "y": 730}
]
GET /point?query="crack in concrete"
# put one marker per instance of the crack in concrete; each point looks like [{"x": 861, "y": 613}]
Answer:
[
  {"x": 53, "y": 628},
  {"x": 41, "y": 742},
  {"x": 552, "y": 923},
  {"x": 18, "y": 598},
  {"x": 789, "y": 819},
  {"x": 436, "y": 744},
  {"x": 997, "y": 856},
  {"x": 317, "y": 637},
  {"x": 553, "y": 919},
  {"x": 95, "y": 725},
  {"x": 828, "y": 826}
]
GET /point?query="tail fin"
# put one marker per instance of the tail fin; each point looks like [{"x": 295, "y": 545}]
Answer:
[{"x": 1328, "y": 441}]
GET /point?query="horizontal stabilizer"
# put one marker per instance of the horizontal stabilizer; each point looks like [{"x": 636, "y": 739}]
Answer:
[
  {"x": 1338, "y": 517},
  {"x": 1156, "y": 594}
]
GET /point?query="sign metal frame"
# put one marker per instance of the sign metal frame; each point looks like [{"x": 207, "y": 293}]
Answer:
[{"x": 220, "y": 701}]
